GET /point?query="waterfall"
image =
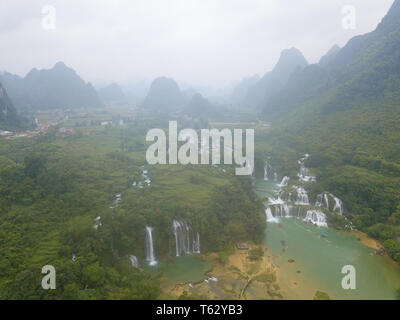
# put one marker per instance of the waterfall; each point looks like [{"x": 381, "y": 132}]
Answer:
[
  {"x": 150, "y": 258},
  {"x": 304, "y": 172},
  {"x": 326, "y": 199},
  {"x": 275, "y": 201},
  {"x": 270, "y": 217},
  {"x": 134, "y": 261},
  {"x": 266, "y": 171},
  {"x": 97, "y": 223},
  {"x": 188, "y": 229},
  {"x": 269, "y": 172},
  {"x": 282, "y": 210},
  {"x": 316, "y": 217},
  {"x": 338, "y": 208},
  {"x": 196, "y": 243},
  {"x": 302, "y": 197},
  {"x": 295, "y": 202},
  {"x": 323, "y": 202},
  {"x": 185, "y": 241},
  {"x": 176, "y": 225},
  {"x": 284, "y": 182}
]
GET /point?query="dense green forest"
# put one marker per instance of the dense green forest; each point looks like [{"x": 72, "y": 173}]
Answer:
[{"x": 52, "y": 189}]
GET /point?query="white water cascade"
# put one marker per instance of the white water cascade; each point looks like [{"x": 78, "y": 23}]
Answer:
[
  {"x": 295, "y": 202},
  {"x": 185, "y": 241},
  {"x": 266, "y": 167},
  {"x": 269, "y": 172},
  {"x": 196, "y": 243},
  {"x": 323, "y": 202},
  {"x": 284, "y": 182},
  {"x": 270, "y": 217},
  {"x": 302, "y": 196},
  {"x": 316, "y": 217},
  {"x": 304, "y": 174},
  {"x": 150, "y": 257},
  {"x": 134, "y": 261},
  {"x": 338, "y": 208}
]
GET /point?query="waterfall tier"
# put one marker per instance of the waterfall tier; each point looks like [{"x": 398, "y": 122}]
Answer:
[
  {"x": 269, "y": 172},
  {"x": 284, "y": 182},
  {"x": 304, "y": 174},
  {"x": 186, "y": 242},
  {"x": 270, "y": 217},
  {"x": 330, "y": 202},
  {"x": 316, "y": 217},
  {"x": 150, "y": 257},
  {"x": 134, "y": 261},
  {"x": 294, "y": 201}
]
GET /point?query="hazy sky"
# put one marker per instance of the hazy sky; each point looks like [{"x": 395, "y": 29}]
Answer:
[{"x": 198, "y": 42}]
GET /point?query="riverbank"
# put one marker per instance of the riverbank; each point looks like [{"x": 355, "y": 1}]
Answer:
[{"x": 366, "y": 240}]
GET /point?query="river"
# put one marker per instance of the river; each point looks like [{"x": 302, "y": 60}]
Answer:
[{"x": 318, "y": 261}]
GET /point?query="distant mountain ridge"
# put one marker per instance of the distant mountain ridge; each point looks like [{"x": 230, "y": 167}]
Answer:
[
  {"x": 112, "y": 94},
  {"x": 272, "y": 82},
  {"x": 56, "y": 88},
  {"x": 361, "y": 72},
  {"x": 164, "y": 96}
]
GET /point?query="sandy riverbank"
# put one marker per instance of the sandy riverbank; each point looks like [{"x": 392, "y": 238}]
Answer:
[{"x": 366, "y": 240}]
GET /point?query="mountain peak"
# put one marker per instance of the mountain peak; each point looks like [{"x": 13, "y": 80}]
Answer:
[
  {"x": 112, "y": 93},
  {"x": 164, "y": 94},
  {"x": 290, "y": 60},
  {"x": 60, "y": 65}
]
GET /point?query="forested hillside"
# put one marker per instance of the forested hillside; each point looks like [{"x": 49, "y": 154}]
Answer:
[
  {"x": 9, "y": 117},
  {"x": 52, "y": 190}
]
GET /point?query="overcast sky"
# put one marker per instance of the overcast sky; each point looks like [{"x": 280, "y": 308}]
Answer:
[{"x": 196, "y": 42}]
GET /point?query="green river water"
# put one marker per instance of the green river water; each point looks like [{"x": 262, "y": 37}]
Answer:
[{"x": 318, "y": 261}]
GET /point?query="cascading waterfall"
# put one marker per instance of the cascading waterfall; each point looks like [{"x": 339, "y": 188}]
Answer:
[
  {"x": 196, "y": 243},
  {"x": 304, "y": 174},
  {"x": 269, "y": 172},
  {"x": 294, "y": 202},
  {"x": 284, "y": 182},
  {"x": 323, "y": 202},
  {"x": 185, "y": 242},
  {"x": 302, "y": 197},
  {"x": 266, "y": 167},
  {"x": 270, "y": 217},
  {"x": 150, "y": 258},
  {"x": 338, "y": 208},
  {"x": 134, "y": 261},
  {"x": 283, "y": 210},
  {"x": 277, "y": 201},
  {"x": 97, "y": 222},
  {"x": 316, "y": 217}
]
